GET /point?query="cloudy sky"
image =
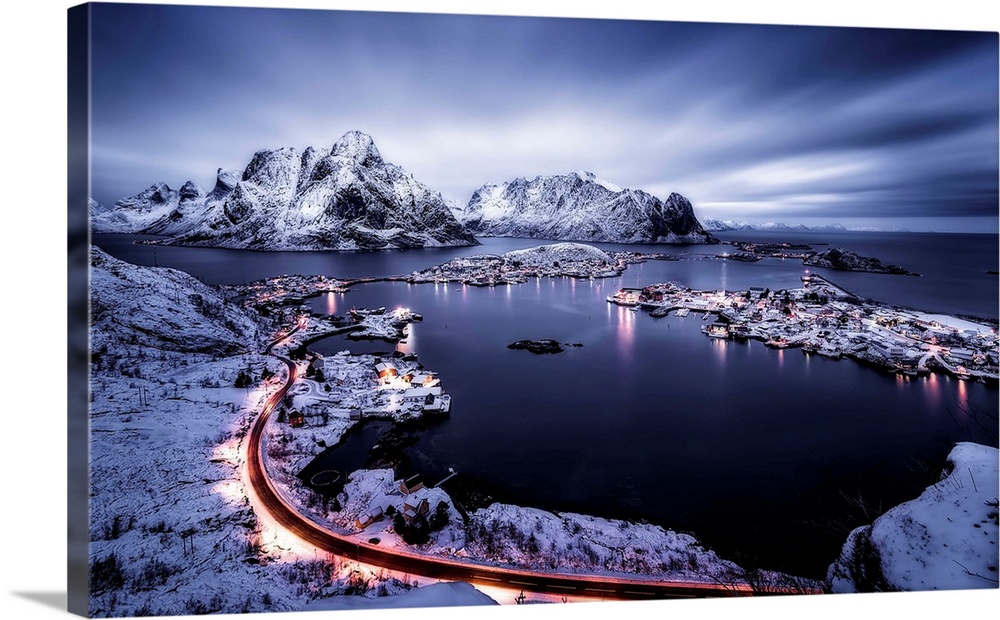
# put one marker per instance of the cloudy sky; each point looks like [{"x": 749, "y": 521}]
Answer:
[{"x": 865, "y": 127}]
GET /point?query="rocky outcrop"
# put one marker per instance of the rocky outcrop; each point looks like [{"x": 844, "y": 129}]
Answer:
[{"x": 846, "y": 260}]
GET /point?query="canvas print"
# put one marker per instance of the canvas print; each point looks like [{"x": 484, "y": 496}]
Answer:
[{"x": 414, "y": 310}]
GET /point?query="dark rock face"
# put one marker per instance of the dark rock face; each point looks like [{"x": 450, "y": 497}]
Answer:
[
  {"x": 546, "y": 345},
  {"x": 846, "y": 260},
  {"x": 581, "y": 207}
]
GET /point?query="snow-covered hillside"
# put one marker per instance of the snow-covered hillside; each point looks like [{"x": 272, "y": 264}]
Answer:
[
  {"x": 343, "y": 198},
  {"x": 946, "y": 539},
  {"x": 171, "y": 528},
  {"x": 568, "y": 253},
  {"x": 581, "y": 207},
  {"x": 162, "y": 309}
]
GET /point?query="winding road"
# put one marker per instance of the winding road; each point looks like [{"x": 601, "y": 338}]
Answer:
[{"x": 565, "y": 584}]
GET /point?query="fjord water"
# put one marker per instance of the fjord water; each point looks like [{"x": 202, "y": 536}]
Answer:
[{"x": 759, "y": 453}]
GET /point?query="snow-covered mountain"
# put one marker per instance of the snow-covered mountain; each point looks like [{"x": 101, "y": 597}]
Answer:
[
  {"x": 160, "y": 210},
  {"x": 343, "y": 198},
  {"x": 164, "y": 309},
  {"x": 580, "y": 207}
]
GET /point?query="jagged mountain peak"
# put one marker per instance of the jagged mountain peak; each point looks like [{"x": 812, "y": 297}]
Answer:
[
  {"x": 359, "y": 147},
  {"x": 157, "y": 193},
  {"x": 343, "y": 198},
  {"x": 226, "y": 179},
  {"x": 580, "y": 206},
  {"x": 191, "y": 191},
  {"x": 590, "y": 177}
]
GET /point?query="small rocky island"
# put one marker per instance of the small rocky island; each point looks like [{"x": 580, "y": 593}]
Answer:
[
  {"x": 846, "y": 260},
  {"x": 545, "y": 345}
]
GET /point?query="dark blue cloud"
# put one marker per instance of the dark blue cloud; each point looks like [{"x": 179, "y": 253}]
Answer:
[{"x": 750, "y": 121}]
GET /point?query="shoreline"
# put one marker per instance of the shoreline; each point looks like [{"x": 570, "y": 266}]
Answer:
[
  {"x": 723, "y": 577},
  {"x": 828, "y": 319}
]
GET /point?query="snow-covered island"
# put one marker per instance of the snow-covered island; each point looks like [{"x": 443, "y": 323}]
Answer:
[
  {"x": 823, "y": 318},
  {"x": 773, "y": 249},
  {"x": 282, "y": 290},
  {"x": 575, "y": 260},
  {"x": 542, "y": 346}
]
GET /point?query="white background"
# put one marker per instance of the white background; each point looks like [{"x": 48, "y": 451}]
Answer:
[{"x": 33, "y": 153}]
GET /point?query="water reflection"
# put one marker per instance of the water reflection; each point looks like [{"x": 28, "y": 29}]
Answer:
[
  {"x": 719, "y": 349},
  {"x": 331, "y": 303},
  {"x": 625, "y": 332},
  {"x": 933, "y": 389}
]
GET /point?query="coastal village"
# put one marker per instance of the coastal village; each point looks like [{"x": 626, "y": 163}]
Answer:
[
  {"x": 334, "y": 393},
  {"x": 822, "y": 318}
]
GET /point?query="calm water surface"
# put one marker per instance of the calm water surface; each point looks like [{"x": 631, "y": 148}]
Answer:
[{"x": 750, "y": 449}]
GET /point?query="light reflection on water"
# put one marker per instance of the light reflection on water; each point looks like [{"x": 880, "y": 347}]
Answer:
[
  {"x": 625, "y": 321},
  {"x": 331, "y": 302},
  {"x": 719, "y": 348},
  {"x": 963, "y": 395}
]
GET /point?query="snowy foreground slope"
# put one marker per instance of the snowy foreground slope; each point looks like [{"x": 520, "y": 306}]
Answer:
[
  {"x": 342, "y": 198},
  {"x": 171, "y": 528},
  {"x": 946, "y": 539},
  {"x": 581, "y": 207}
]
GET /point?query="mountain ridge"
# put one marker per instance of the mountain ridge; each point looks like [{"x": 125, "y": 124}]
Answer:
[
  {"x": 580, "y": 206},
  {"x": 342, "y": 198}
]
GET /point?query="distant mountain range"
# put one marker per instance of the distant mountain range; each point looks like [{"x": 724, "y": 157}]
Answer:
[
  {"x": 348, "y": 198},
  {"x": 580, "y": 207},
  {"x": 714, "y": 225}
]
